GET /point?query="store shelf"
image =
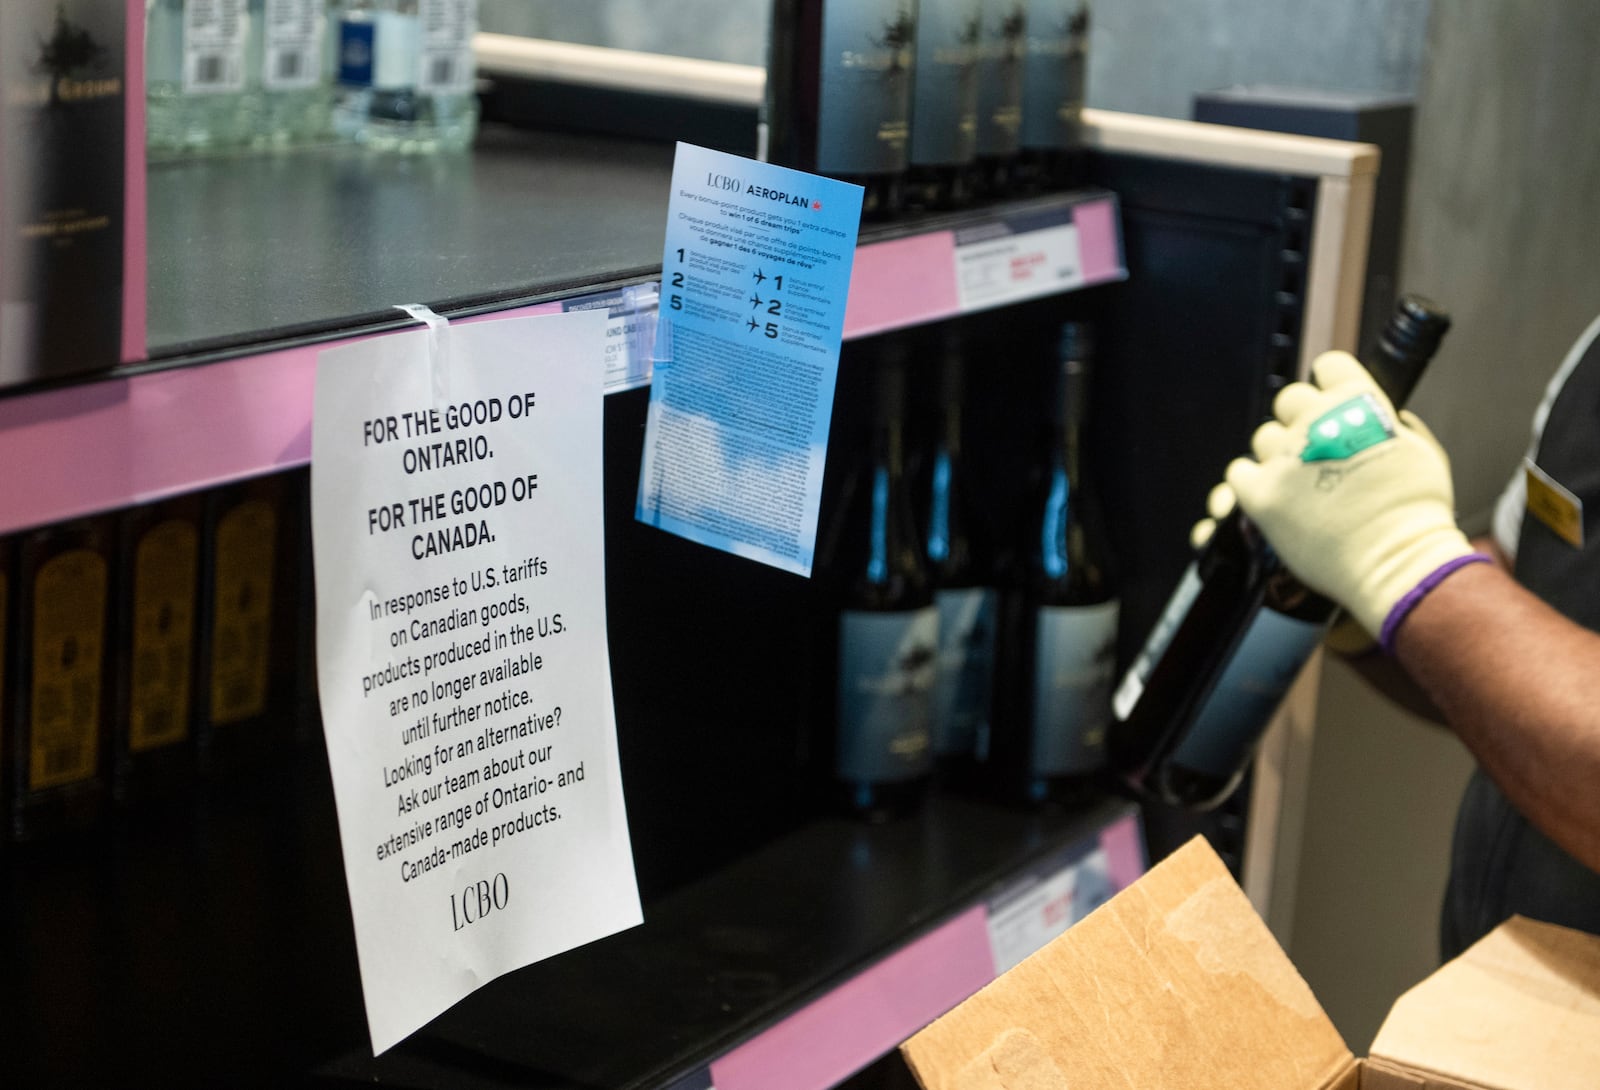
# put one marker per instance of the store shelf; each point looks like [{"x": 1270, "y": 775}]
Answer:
[
  {"x": 257, "y": 264},
  {"x": 211, "y": 944},
  {"x": 789, "y": 970}
]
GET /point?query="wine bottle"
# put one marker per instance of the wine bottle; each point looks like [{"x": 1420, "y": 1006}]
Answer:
[
  {"x": 1233, "y": 637},
  {"x": 157, "y": 629},
  {"x": 838, "y": 98},
  {"x": 59, "y": 743},
  {"x": 8, "y": 580},
  {"x": 887, "y": 623},
  {"x": 196, "y": 76},
  {"x": 999, "y": 65},
  {"x": 944, "y": 103},
  {"x": 959, "y": 550},
  {"x": 1060, "y": 613},
  {"x": 246, "y": 647},
  {"x": 1054, "y": 84}
]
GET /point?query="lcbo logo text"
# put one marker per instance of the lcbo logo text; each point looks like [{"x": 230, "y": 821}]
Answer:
[
  {"x": 478, "y": 900},
  {"x": 725, "y": 181}
]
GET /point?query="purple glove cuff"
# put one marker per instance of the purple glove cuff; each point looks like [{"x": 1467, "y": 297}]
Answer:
[{"x": 1403, "y": 608}]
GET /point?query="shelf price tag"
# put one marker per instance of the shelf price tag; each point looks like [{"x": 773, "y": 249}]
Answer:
[
  {"x": 462, "y": 656},
  {"x": 755, "y": 272}
]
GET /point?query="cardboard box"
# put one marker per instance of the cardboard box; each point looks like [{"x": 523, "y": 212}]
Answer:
[{"x": 1176, "y": 984}]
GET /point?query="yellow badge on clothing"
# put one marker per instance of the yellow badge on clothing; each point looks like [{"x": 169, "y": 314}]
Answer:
[{"x": 1554, "y": 505}]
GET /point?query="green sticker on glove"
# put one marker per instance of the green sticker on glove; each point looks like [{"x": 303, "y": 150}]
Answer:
[{"x": 1346, "y": 429}]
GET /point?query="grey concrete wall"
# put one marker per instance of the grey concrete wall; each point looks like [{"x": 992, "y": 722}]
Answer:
[{"x": 716, "y": 30}]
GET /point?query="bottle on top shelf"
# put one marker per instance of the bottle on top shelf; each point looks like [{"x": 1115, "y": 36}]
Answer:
[
  {"x": 197, "y": 61},
  {"x": 884, "y": 632},
  {"x": 1192, "y": 708},
  {"x": 1054, "y": 85},
  {"x": 59, "y": 742},
  {"x": 291, "y": 69},
  {"x": 1000, "y": 54},
  {"x": 959, "y": 549},
  {"x": 406, "y": 75},
  {"x": 1060, "y": 612},
  {"x": 156, "y": 649},
  {"x": 838, "y": 93},
  {"x": 944, "y": 103}
]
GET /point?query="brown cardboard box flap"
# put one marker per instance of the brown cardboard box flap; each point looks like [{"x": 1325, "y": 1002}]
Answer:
[
  {"x": 1175, "y": 982},
  {"x": 1519, "y": 1010}
]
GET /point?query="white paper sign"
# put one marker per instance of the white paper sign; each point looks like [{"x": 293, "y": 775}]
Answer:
[{"x": 462, "y": 655}]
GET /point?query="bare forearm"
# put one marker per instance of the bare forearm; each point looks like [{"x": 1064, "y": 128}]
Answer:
[{"x": 1515, "y": 679}]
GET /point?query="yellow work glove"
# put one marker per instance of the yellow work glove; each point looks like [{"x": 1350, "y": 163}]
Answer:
[
  {"x": 1355, "y": 499},
  {"x": 1346, "y": 637}
]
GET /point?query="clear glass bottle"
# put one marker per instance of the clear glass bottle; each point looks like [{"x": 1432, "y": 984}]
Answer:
[
  {"x": 291, "y": 73},
  {"x": 197, "y": 77},
  {"x": 406, "y": 74}
]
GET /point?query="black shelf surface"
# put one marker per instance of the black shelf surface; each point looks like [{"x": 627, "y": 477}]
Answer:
[
  {"x": 726, "y": 957},
  {"x": 211, "y": 944},
  {"x": 249, "y": 250}
]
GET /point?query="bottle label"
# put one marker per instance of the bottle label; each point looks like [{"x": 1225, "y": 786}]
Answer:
[
  {"x": 945, "y": 82},
  {"x": 1053, "y": 73},
  {"x": 213, "y": 46},
  {"x": 69, "y": 595},
  {"x": 966, "y": 669},
  {"x": 1074, "y": 659},
  {"x": 164, "y": 570},
  {"x": 291, "y": 32},
  {"x": 447, "y": 59},
  {"x": 1000, "y": 58},
  {"x": 887, "y": 669},
  {"x": 1155, "y": 645},
  {"x": 241, "y": 638},
  {"x": 379, "y": 51},
  {"x": 1249, "y": 691},
  {"x": 864, "y": 87}
]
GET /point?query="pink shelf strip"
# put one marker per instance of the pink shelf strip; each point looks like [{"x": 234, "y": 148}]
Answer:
[{"x": 872, "y": 1013}]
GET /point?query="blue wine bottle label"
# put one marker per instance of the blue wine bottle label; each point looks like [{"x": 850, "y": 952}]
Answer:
[
  {"x": 1074, "y": 657},
  {"x": 864, "y": 87},
  {"x": 1249, "y": 691},
  {"x": 1053, "y": 73},
  {"x": 966, "y": 669},
  {"x": 945, "y": 89},
  {"x": 887, "y": 669}
]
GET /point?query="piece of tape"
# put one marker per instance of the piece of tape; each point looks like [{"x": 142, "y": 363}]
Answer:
[{"x": 438, "y": 345}]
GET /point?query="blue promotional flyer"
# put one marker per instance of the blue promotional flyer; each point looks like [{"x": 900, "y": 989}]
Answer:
[{"x": 755, "y": 272}]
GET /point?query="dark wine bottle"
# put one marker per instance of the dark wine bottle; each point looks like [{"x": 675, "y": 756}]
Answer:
[
  {"x": 8, "y": 580},
  {"x": 1060, "y": 613},
  {"x": 1192, "y": 708},
  {"x": 1000, "y": 57},
  {"x": 246, "y": 655},
  {"x": 1054, "y": 85},
  {"x": 944, "y": 104},
  {"x": 59, "y": 745},
  {"x": 156, "y": 645},
  {"x": 887, "y": 623},
  {"x": 958, "y": 545},
  {"x": 838, "y": 98}
]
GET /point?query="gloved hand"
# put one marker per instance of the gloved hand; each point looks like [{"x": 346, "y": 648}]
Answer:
[{"x": 1356, "y": 500}]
